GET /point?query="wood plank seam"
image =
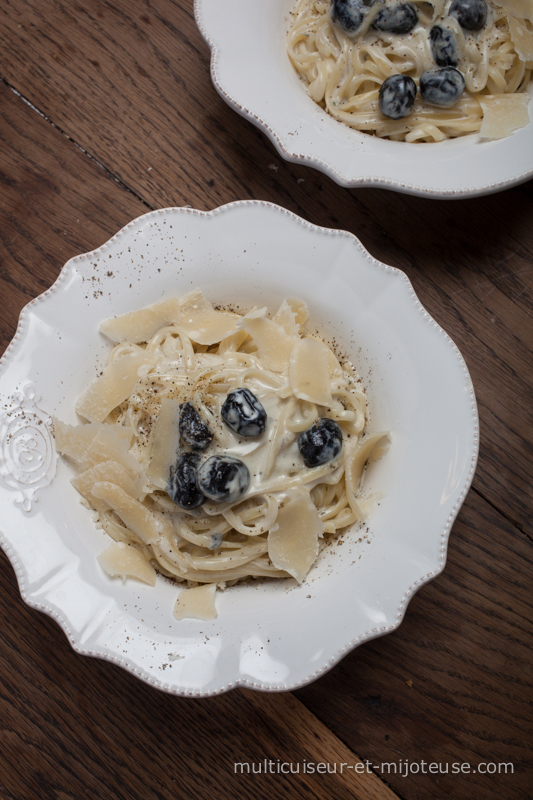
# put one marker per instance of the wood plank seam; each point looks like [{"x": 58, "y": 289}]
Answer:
[
  {"x": 76, "y": 144},
  {"x": 288, "y": 708},
  {"x": 509, "y": 519}
]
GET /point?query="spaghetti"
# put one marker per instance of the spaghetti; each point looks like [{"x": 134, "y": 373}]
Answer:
[
  {"x": 184, "y": 354},
  {"x": 343, "y": 74}
]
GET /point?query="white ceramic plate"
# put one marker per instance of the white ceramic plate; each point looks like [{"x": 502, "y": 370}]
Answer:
[
  {"x": 272, "y": 635},
  {"x": 252, "y": 72}
]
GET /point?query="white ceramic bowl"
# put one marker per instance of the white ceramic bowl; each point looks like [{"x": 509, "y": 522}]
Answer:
[
  {"x": 252, "y": 72},
  {"x": 269, "y": 635}
]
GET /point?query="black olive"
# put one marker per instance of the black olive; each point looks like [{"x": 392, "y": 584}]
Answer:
[
  {"x": 443, "y": 47},
  {"x": 182, "y": 487},
  {"x": 396, "y": 19},
  {"x": 470, "y": 14},
  {"x": 442, "y": 87},
  {"x": 223, "y": 479},
  {"x": 348, "y": 14},
  {"x": 193, "y": 431},
  {"x": 397, "y": 96},
  {"x": 321, "y": 443},
  {"x": 243, "y": 412}
]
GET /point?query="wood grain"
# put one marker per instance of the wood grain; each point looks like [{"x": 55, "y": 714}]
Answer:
[
  {"x": 291, "y": 715},
  {"x": 52, "y": 203},
  {"x": 129, "y": 82},
  {"x": 465, "y": 646},
  {"x": 132, "y": 122},
  {"x": 83, "y": 727}
]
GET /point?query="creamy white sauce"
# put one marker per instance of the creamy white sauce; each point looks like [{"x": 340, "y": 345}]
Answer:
[
  {"x": 416, "y": 45},
  {"x": 253, "y": 451}
]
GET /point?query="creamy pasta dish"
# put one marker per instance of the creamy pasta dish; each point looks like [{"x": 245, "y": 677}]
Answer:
[
  {"x": 418, "y": 71},
  {"x": 219, "y": 446}
]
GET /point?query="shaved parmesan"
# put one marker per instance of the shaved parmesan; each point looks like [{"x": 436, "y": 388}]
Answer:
[
  {"x": 293, "y": 541},
  {"x": 286, "y": 318},
  {"x": 165, "y": 442},
  {"x": 193, "y": 314},
  {"x": 273, "y": 344},
  {"x": 233, "y": 342},
  {"x": 523, "y": 9},
  {"x": 106, "y": 446},
  {"x": 111, "y": 472},
  {"x": 199, "y": 320},
  {"x": 300, "y": 309},
  {"x": 114, "y": 386},
  {"x": 135, "y": 516},
  {"x": 309, "y": 371},
  {"x": 372, "y": 448},
  {"x": 141, "y": 325},
  {"x": 196, "y": 603},
  {"x": 74, "y": 440},
  {"x": 255, "y": 313},
  {"x": 335, "y": 368},
  {"x": 123, "y": 561},
  {"x": 522, "y": 37},
  {"x": 503, "y": 114}
]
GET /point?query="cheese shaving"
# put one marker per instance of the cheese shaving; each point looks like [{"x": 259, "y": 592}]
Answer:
[
  {"x": 107, "y": 446},
  {"x": 74, "y": 440},
  {"x": 193, "y": 314},
  {"x": 300, "y": 310},
  {"x": 285, "y": 317},
  {"x": 522, "y": 36},
  {"x": 274, "y": 345},
  {"x": 196, "y": 603},
  {"x": 113, "y": 386},
  {"x": 522, "y": 9},
  {"x": 503, "y": 114},
  {"x": 165, "y": 442},
  {"x": 124, "y": 561},
  {"x": 309, "y": 372},
  {"x": 202, "y": 323},
  {"x": 111, "y": 472},
  {"x": 141, "y": 325},
  {"x": 293, "y": 540},
  {"x": 135, "y": 516}
]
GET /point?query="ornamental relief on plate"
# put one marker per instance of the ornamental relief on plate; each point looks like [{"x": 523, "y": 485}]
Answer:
[{"x": 28, "y": 459}]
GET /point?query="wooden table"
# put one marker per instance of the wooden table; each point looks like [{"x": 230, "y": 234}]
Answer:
[{"x": 108, "y": 111}]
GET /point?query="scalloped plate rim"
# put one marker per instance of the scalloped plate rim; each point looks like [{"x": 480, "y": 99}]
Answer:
[
  {"x": 279, "y": 140},
  {"x": 409, "y": 592}
]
